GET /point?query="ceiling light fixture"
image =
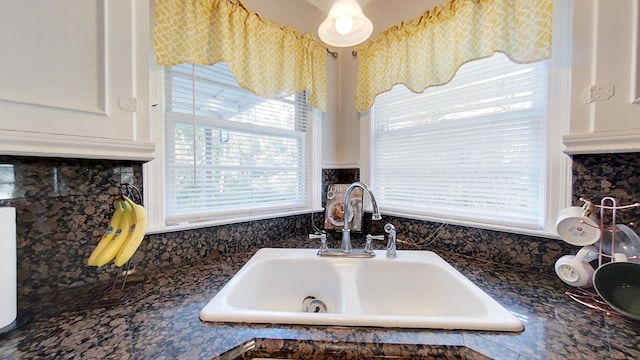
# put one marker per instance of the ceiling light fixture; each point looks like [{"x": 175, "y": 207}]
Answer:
[{"x": 345, "y": 25}]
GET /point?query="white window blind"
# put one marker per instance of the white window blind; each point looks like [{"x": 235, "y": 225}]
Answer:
[
  {"x": 472, "y": 149},
  {"x": 228, "y": 151}
]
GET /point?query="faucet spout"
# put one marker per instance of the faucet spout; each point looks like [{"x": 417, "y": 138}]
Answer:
[{"x": 346, "y": 232}]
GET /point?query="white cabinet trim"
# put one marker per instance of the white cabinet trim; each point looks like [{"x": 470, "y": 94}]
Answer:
[
  {"x": 635, "y": 53},
  {"x": 602, "y": 142},
  {"x": 54, "y": 145},
  {"x": 56, "y": 103}
]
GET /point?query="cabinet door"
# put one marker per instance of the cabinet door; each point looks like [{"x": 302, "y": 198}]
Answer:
[
  {"x": 605, "y": 111},
  {"x": 74, "y": 78}
]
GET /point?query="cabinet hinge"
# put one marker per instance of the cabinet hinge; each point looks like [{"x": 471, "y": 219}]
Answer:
[
  {"x": 130, "y": 104},
  {"x": 597, "y": 93}
]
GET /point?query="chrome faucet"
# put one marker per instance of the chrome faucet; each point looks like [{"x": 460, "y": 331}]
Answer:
[{"x": 346, "y": 247}]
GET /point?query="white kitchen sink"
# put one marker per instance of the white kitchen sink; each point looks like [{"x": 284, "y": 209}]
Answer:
[{"x": 418, "y": 289}]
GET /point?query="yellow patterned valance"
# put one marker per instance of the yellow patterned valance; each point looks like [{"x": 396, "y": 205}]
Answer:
[
  {"x": 428, "y": 50},
  {"x": 267, "y": 59}
]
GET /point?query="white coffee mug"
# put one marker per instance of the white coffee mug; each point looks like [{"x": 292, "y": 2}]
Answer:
[
  {"x": 575, "y": 270},
  {"x": 578, "y": 226}
]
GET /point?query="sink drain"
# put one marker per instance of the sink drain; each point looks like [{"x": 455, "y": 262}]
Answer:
[{"x": 312, "y": 305}]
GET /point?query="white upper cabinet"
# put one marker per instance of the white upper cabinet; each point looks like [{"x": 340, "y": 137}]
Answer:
[
  {"x": 74, "y": 79},
  {"x": 605, "y": 106}
]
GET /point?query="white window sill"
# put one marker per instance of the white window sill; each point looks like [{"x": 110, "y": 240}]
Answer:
[
  {"x": 471, "y": 224},
  {"x": 226, "y": 221}
]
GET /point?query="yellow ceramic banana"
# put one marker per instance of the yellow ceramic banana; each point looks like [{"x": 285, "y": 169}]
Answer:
[
  {"x": 119, "y": 238},
  {"x": 109, "y": 233},
  {"x": 138, "y": 230}
]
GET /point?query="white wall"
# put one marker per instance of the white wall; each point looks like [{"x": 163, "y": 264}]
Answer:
[
  {"x": 605, "y": 40},
  {"x": 383, "y": 14}
]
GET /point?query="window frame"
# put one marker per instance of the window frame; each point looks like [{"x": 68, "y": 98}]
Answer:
[
  {"x": 154, "y": 189},
  {"x": 557, "y": 187}
]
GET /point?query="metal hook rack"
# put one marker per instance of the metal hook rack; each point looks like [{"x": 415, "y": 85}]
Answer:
[
  {"x": 607, "y": 204},
  {"x": 118, "y": 293},
  {"x": 608, "y": 209},
  {"x": 132, "y": 192}
]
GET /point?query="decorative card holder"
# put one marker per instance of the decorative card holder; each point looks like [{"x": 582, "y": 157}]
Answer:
[{"x": 334, "y": 216}]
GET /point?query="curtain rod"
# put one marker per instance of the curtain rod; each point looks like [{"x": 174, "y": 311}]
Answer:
[{"x": 334, "y": 54}]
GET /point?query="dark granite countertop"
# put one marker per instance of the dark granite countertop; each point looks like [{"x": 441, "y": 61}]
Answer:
[{"x": 160, "y": 321}]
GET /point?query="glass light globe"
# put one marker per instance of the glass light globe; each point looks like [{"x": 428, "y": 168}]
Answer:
[{"x": 344, "y": 25}]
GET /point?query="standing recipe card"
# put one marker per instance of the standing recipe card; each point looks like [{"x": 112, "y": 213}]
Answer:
[{"x": 334, "y": 217}]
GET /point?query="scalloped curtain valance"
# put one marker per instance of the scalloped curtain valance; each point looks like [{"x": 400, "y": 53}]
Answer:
[
  {"x": 428, "y": 50},
  {"x": 267, "y": 59}
]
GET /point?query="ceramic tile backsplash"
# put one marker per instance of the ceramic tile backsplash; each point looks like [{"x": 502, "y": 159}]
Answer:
[
  {"x": 63, "y": 206},
  {"x": 523, "y": 251},
  {"x": 611, "y": 175},
  {"x": 60, "y": 206}
]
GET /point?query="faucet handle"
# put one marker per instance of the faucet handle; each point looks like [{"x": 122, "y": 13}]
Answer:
[
  {"x": 323, "y": 241},
  {"x": 368, "y": 247}
]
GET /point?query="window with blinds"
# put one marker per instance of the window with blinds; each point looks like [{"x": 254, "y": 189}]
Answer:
[
  {"x": 472, "y": 149},
  {"x": 228, "y": 151}
]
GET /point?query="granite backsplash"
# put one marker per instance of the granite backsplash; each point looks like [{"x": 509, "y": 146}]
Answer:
[{"x": 63, "y": 206}]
